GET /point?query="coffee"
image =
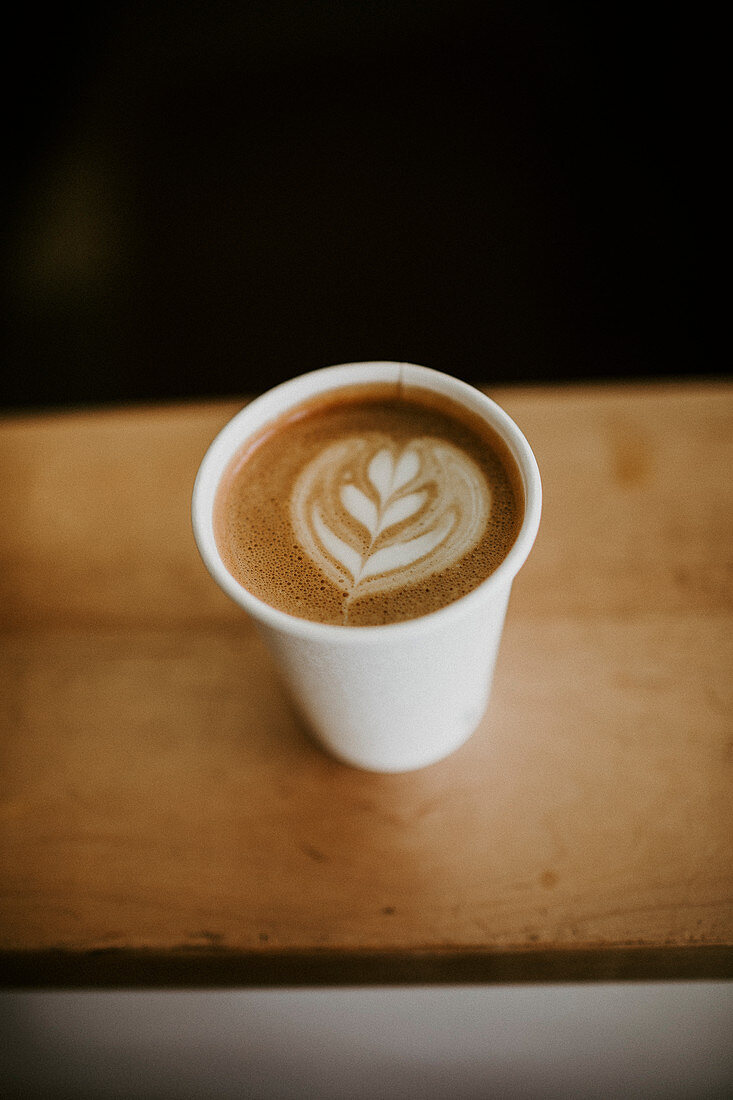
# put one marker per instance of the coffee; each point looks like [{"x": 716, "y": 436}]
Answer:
[{"x": 368, "y": 505}]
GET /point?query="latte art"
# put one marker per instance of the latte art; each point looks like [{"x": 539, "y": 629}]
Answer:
[{"x": 375, "y": 515}]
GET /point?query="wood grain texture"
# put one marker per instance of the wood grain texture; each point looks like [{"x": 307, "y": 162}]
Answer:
[{"x": 164, "y": 816}]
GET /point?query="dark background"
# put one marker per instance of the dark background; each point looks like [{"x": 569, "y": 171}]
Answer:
[{"x": 205, "y": 199}]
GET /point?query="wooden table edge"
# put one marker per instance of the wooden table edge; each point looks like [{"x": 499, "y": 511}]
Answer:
[{"x": 108, "y": 968}]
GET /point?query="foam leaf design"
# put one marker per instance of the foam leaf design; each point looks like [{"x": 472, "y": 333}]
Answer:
[
  {"x": 375, "y": 514},
  {"x": 340, "y": 550},
  {"x": 405, "y": 553},
  {"x": 361, "y": 507},
  {"x": 381, "y": 472},
  {"x": 402, "y": 509},
  {"x": 389, "y": 477}
]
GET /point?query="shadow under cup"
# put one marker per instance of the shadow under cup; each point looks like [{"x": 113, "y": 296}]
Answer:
[{"x": 386, "y": 698}]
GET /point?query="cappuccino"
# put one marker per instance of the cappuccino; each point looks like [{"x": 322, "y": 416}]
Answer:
[{"x": 368, "y": 505}]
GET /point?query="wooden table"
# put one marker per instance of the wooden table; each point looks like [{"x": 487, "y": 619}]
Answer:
[{"x": 165, "y": 819}]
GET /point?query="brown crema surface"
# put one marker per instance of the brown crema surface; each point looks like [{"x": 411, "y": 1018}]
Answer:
[{"x": 252, "y": 514}]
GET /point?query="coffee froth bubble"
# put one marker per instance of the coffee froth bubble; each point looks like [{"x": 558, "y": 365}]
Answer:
[{"x": 368, "y": 506}]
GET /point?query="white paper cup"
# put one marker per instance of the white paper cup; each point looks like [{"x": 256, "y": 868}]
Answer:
[{"x": 385, "y": 698}]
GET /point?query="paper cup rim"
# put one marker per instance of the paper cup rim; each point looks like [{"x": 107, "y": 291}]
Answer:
[{"x": 272, "y": 404}]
